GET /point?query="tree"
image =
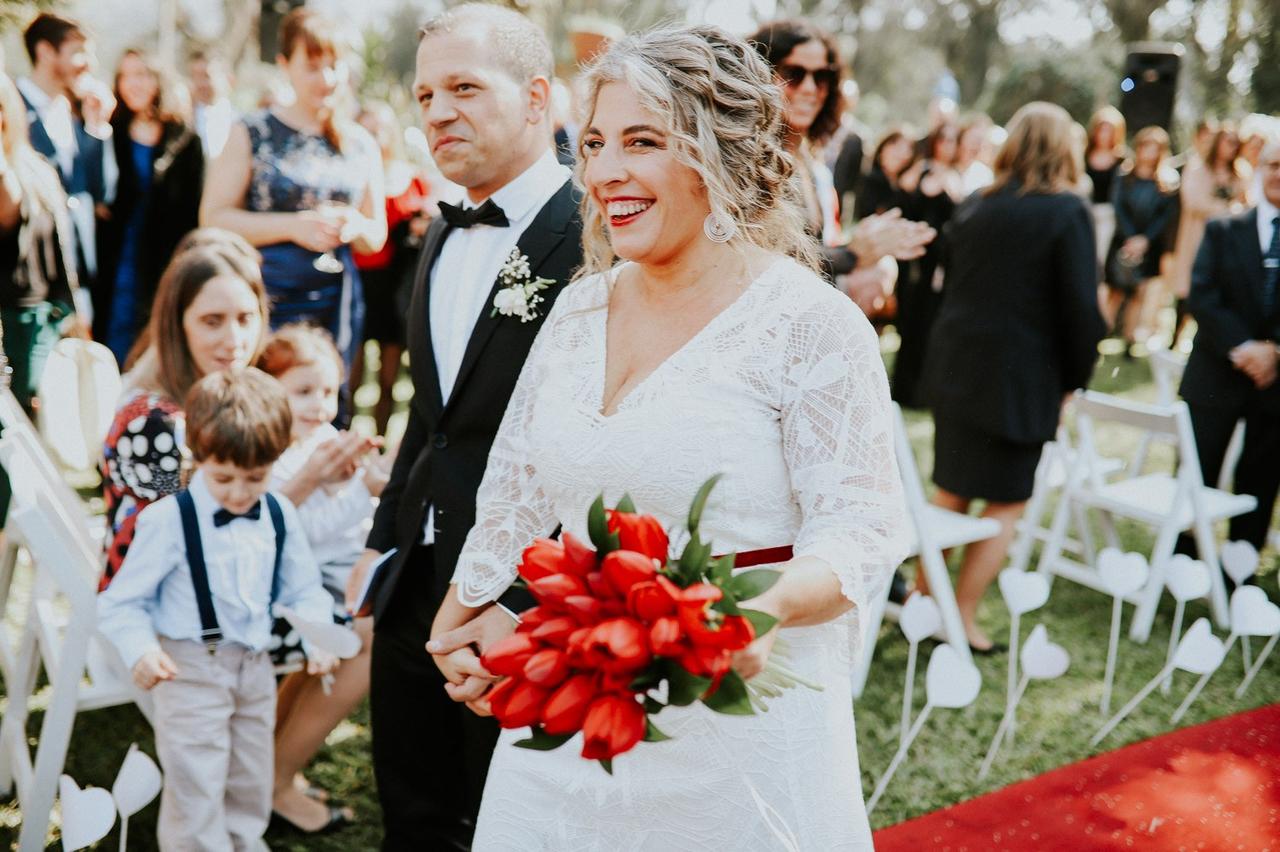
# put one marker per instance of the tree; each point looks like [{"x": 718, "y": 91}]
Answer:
[
  {"x": 1132, "y": 18},
  {"x": 1266, "y": 71},
  {"x": 1042, "y": 78}
]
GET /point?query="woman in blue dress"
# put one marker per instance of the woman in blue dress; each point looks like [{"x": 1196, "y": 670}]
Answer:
[{"x": 304, "y": 186}]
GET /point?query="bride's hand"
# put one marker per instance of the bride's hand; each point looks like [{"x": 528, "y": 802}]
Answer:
[{"x": 751, "y": 660}]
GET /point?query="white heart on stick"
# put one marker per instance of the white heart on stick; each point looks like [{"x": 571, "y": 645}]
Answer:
[
  {"x": 1239, "y": 560},
  {"x": 1199, "y": 651},
  {"x": 87, "y": 815},
  {"x": 327, "y": 636},
  {"x": 1187, "y": 578},
  {"x": 1122, "y": 574},
  {"x": 919, "y": 618},
  {"x": 1252, "y": 614},
  {"x": 1042, "y": 659},
  {"x": 1023, "y": 591},
  {"x": 950, "y": 681},
  {"x": 137, "y": 783}
]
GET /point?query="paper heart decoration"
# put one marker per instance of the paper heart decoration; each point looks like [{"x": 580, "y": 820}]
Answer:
[
  {"x": 87, "y": 815},
  {"x": 950, "y": 681},
  {"x": 1187, "y": 578},
  {"x": 1199, "y": 651},
  {"x": 137, "y": 783},
  {"x": 1023, "y": 591},
  {"x": 334, "y": 638},
  {"x": 1239, "y": 560},
  {"x": 1122, "y": 574},
  {"x": 1042, "y": 659},
  {"x": 1252, "y": 614},
  {"x": 919, "y": 618}
]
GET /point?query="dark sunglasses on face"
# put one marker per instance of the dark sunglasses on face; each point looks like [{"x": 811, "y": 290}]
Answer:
[{"x": 793, "y": 75}]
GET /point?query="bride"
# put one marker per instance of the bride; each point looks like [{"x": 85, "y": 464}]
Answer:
[{"x": 711, "y": 347}]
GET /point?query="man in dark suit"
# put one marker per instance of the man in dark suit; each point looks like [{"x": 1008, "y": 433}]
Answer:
[
  {"x": 68, "y": 113},
  {"x": 482, "y": 80},
  {"x": 1235, "y": 299}
]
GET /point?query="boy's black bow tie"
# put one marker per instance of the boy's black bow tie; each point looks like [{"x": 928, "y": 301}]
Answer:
[{"x": 222, "y": 517}]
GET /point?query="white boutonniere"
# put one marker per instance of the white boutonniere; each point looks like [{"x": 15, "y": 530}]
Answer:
[{"x": 519, "y": 296}]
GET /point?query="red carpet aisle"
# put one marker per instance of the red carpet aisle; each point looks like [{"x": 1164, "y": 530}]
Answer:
[{"x": 1214, "y": 787}]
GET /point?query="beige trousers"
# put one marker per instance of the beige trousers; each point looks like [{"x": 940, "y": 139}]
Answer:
[{"x": 214, "y": 726}]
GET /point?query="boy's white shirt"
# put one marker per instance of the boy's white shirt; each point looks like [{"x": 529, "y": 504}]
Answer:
[{"x": 152, "y": 594}]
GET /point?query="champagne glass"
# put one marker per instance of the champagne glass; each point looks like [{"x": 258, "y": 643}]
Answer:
[{"x": 328, "y": 261}]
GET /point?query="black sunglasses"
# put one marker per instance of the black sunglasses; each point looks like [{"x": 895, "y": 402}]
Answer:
[{"x": 793, "y": 75}]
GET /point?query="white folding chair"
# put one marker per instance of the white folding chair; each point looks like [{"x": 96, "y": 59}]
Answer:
[
  {"x": 79, "y": 389},
  {"x": 934, "y": 530},
  {"x": 1170, "y": 503},
  {"x": 1167, "y": 367}
]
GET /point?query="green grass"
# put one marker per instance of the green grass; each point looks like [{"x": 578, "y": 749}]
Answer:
[{"x": 1056, "y": 718}]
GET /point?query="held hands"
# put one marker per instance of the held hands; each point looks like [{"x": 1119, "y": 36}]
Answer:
[
  {"x": 1257, "y": 359},
  {"x": 153, "y": 667},
  {"x": 888, "y": 234},
  {"x": 457, "y": 654}
]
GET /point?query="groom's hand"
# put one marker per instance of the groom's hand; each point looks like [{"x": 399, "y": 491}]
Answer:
[
  {"x": 482, "y": 631},
  {"x": 457, "y": 654}
]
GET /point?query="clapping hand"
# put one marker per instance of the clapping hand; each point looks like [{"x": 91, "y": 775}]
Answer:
[
  {"x": 337, "y": 459},
  {"x": 1257, "y": 359},
  {"x": 888, "y": 234}
]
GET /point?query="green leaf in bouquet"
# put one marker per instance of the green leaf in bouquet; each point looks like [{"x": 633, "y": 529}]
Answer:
[
  {"x": 626, "y": 505},
  {"x": 722, "y": 569},
  {"x": 652, "y": 734},
  {"x": 540, "y": 740},
  {"x": 731, "y": 697},
  {"x": 646, "y": 680},
  {"x": 700, "y": 503},
  {"x": 683, "y": 688},
  {"x": 728, "y": 605},
  {"x": 763, "y": 622},
  {"x": 607, "y": 763},
  {"x": 693, "y": 560},
  {"x": 653, "y": 705},
  {"x": 598, "y": 529},
  {"x": 752, "y": 584}
]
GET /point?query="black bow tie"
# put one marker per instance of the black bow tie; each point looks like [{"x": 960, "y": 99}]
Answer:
[
  {"x": 464, "y": 217},
  {"x": 222, "y": 517}
]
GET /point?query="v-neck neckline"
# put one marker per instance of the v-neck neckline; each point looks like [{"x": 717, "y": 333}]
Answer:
[{"x": 611, "y": 280}]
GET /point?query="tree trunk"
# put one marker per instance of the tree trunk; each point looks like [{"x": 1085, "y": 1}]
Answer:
[{"x": 1266, "y": 73}]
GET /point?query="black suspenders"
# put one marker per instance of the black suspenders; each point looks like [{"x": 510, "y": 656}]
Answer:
[{"x": 210, "y": 632}]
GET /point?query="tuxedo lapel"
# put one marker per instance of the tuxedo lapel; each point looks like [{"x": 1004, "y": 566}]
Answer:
[
  {"x": 426, "y": 376},
  {"x": 538, "y": 241},
  {"x": 1249, "y": 251},
  {"x": 39, "y": 136}
]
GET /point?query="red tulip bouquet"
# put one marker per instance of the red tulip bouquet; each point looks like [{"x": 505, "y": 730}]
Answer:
[{"x": 622, "y": 630}]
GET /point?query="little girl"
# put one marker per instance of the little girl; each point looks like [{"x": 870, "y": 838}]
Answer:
[{"x": 336, "y": 520}]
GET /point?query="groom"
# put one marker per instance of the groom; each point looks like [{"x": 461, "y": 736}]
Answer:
[{"x": 482, "y": 81}]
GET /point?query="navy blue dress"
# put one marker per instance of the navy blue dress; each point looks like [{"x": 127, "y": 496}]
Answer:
[{"x": 291, "y": 171}]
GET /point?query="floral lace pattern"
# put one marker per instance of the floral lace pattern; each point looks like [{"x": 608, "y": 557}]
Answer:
[{"x": 785, "y": 394}]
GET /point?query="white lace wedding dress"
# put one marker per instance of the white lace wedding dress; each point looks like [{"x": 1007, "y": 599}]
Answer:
[{"x": 785, "y": 394}]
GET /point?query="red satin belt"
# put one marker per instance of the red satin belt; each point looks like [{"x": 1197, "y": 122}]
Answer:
[{"x": 766, "y": 556}]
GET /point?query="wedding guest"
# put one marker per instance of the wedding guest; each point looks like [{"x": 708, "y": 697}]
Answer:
[
  {"x": 387, "y": 274},
  {"x": 68, "y": 115},
  {"x": 1210, "y": 188},
  {"x": 191, "y": 614},
  {"x": 846, "y": 152},
  {"x": 213, "y": 114},
  {"x": 1017, "y": 333},
  {"x": 1143, "y": 200},
  {"x": 305, "y": 186},
  {"x": 1231, "y": 374},
  {"x": 157, "y": 201},
  {"x": 1104, "y": 153},
  {"x": 37, "y": 264},
  {"x": 974, "y": 173},
  {"x": 881, "y": 191}
]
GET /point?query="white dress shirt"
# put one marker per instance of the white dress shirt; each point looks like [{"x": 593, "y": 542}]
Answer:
[
  {"x": 213, "y": 125},
  {"x": 1266, "y": 212},
  {"x": 54, "y": 112},
  {"x": 467, "y": 267},
  {"x": 153, "y": 595}
]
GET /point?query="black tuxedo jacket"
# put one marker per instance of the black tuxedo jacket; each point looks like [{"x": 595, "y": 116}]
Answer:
[
  {"x": 1226, "y": 300},
  {"x": 446, "y": 443}
]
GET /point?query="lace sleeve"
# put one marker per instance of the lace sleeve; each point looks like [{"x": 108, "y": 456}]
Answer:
[
  {"x": 511, "y": 507},
  {"x": 839, "y": 446}
]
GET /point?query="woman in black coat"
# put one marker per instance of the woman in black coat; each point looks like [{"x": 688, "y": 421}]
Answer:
[
  {"x": 1017, "y": 333},
  {"x": 157, "y": 201}
]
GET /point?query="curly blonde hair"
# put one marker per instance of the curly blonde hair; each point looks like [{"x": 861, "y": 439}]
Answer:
[{"x": 723, "y": 114}]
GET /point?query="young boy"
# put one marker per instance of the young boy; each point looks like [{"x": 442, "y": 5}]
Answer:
[{"x": 190, "y": 614}]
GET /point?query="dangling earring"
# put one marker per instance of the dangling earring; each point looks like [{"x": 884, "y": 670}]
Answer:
[{"x": 719, "y": 228}]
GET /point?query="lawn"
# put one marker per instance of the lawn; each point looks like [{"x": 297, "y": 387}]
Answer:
[{"x": 1056, "y": 718}]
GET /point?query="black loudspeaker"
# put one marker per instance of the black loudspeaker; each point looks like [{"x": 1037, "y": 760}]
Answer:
[
  {"x": 1149, "y": 84},
  {"x": 273, "y": 12}
]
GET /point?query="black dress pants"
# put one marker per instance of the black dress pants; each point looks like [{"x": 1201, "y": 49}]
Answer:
[{"x": 430, "y": 754}]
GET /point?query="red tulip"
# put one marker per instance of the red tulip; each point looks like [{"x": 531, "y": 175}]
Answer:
[
  {"x": 579, "y": 558},
  {"x": 547, "y": 667},
  {"x": 705, "y": 661},
  {"x": 508, "y": 656},
  {"x": 617, "y": 645},
  {"x": 728, "y": 632},
  {"x": 699, "y": 595},
  {"x": 666, "y": 637},
  {"x": 577, "y": 646},
  {"x": 552, "y": 590},
  {"x": 517, "y": 703},
  {"x": 641, "y": 533},
  {"x": 554, "y": 631},
  {"x": 624, "y": 568},
  {"x": 542, "y": 559},
  {"x": 565, "y": 709},
  {"x": 613, "y": 724},
  {"x": 584, "y": 609},
  {"x": 599, "y": 586},
  {"x": 649, "y": 601},
  {"x": 533, "y": 617}
]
